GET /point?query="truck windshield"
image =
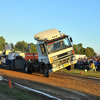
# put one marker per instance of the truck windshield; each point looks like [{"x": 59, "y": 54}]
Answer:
[{"x": 57, "y": 45}]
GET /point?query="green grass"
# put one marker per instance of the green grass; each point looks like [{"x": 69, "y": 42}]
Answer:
[
  {"x": 78, "y": 71},
  {"x": 15, "y": 93}
]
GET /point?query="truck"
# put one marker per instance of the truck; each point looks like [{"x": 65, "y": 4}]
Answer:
[{"x": 54, "y": 52}]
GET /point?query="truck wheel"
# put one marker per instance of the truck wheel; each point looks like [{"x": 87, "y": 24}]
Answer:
[
  {"x": 27, "y": 69},
  {"x": 41, "y": 69},
  {"x": 46, "y": 72},
  {"x": 70, "y": 67},
  {"x": 30, "y": 69}
]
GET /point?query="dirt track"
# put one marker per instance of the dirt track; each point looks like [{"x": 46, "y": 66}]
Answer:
[{"x": 68, "y": 81}]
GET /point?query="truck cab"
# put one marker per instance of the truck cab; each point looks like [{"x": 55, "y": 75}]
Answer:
[{"x": 55, "y": 51}]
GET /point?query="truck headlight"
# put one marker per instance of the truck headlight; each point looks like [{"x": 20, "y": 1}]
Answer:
[
  {"x": 54, "y": 65},
  {"x": 74, "y": 58},
  {"x": 51, "y": 59},
  {"x": 54, "y": 58}
]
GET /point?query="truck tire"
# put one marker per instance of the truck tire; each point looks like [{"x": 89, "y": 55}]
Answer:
[
  {"x": 45, "y": 71},
  {"x": 70, "y": 67},
  {"x": 41, "y": 69},
  {"x": 30, "y": 69},
  {"x": 27, "y": 69}
]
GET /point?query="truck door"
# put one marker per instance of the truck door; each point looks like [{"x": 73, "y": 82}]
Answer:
[
  {"x": 42, "y": 53},
  {"x": 43, "y": 50}
]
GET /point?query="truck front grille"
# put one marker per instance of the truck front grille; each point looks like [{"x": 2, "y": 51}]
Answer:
[{"x": 64, "y": 58}]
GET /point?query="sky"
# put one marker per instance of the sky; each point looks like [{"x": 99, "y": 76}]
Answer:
[{"x": 22, "y": 19}]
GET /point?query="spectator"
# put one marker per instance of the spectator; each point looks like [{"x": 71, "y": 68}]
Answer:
[
  {"x": 98, "y": 67},
  {"x": 92, "y": 66},
  {"x": 92, "y": 62},
  {"x": 96, "y": 62}
]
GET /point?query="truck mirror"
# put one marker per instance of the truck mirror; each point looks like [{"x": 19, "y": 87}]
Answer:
[{"x": 71, "y": 39}]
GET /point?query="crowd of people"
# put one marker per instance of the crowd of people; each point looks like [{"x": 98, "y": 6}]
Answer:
[{"x": 89, "y": 63}]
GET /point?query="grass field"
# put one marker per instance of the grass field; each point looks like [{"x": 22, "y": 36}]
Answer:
[
  {"x": 14, "y": 94},
  {"x": 78, "y": 71}
]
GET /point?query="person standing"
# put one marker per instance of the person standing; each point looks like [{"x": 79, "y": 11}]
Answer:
[{"x": 98, "y": 67}]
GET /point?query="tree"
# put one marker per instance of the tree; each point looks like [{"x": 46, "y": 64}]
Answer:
[
  {"x": 25, "y": 47},
  {"x": 2, "y": 43},
  {"x": 91, "y": 53},
  {"x": 88, "y": 52},
  {"x": 1, "y": 47},
  {"x": 76, "y": 49},
  {"x": 92, "y": 50},
  {"x": 33, "y": 48},
  {"x": 21, "y": 46},
  {"x": 79, "y": 46},
  {"x": 82, "y": 50},
  {"x": 79, "y": 49}
]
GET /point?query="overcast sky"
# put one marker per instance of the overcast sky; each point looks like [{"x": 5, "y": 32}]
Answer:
[{"x": 21, "y": 19}]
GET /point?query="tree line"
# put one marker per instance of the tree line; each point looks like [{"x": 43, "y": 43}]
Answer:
[
  {"x": 79, "y": 49},
  {"x": 19, "y": 46},
  {"x": 31, "y": 47}
]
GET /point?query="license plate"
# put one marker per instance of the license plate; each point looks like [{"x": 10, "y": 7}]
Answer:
[{"x": 66, "y": 65}]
